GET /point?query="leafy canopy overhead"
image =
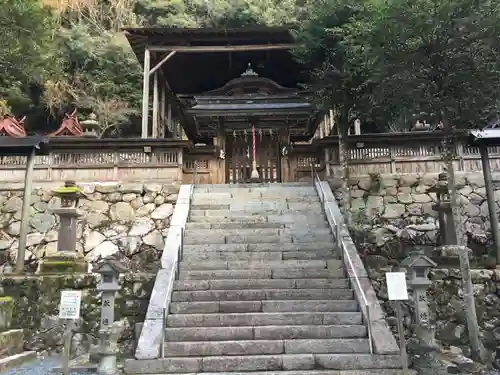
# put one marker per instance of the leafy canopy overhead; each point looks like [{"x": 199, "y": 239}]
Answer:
[{"x": 381, "y": 61}]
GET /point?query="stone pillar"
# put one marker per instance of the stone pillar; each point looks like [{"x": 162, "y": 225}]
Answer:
[
  {"x": 445, "y": 214},
  {"x": 109, "y": 269},
  {"x": 67, "y": 258}
]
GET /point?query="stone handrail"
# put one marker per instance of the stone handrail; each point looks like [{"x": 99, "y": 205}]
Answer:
[
  {"x": 383, "y": 340},
  {"x": 150, "y": 343}
]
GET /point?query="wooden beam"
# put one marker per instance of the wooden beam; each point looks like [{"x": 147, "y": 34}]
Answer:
[
  {"x": 239, "y": 48},
  {"x": 156, "y": 106},
  {"x": 145, "y": 93},
  {"x": 163, "y": 104},
  {"x": 165, "y": 59}
]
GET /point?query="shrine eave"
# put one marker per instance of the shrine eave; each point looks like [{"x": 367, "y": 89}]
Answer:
[
  {"x": 12, "y": 146},
  {"x": 250, "y": 109}
]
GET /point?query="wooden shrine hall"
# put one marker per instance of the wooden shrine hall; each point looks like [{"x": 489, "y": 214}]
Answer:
[{"x": 234, "y": 90}]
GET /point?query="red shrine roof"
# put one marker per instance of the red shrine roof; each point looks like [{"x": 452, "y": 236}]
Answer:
[
  {"x": 70, "y": 127},
  {"x": 12, "y": 127}
]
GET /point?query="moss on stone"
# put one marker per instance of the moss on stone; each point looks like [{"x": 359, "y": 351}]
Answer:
[
  {"x": 62, "y": 266},
  {"x": 6, "y": 300}
]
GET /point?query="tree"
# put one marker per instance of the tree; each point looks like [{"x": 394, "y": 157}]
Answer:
[
  {"x": 27, "y": 47},
  {"x": 341, "y": 79},
  {"x": 441, "y": 58}
]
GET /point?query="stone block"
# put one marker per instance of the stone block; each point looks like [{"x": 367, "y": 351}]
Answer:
[
  {"x": 6, "y": 311},
  {"x": 298, "y": 362},
  {"x": 357, "y": 361},
  {"x": 299, "y": 273},
  {"x": 242, "y": 363},
  {"x": 224, "y": 348},
  {"x": 164, "y": 365},
  {"x": 327, "y": 346},
  {"x": 226, "y": 274},
  {"x": 314, "y": 305},
  {"x": 209, "y": 334},
  {"x": 11, "y": 341},
  {"x": 308, "y": 332},
  {"x": 230, "y": 256}
]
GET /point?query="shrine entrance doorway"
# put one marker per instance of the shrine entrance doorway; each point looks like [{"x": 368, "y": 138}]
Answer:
[{"x": 239, "y": 158}]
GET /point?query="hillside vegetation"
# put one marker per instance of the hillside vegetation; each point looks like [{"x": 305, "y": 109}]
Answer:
[{"x": 385, "y": 62}]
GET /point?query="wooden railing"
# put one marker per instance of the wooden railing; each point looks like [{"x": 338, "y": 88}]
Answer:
[
  {"x": 101, "y": 160},
  {"x": 87, "y": 160},
  {"x": 402, "y": 153}
]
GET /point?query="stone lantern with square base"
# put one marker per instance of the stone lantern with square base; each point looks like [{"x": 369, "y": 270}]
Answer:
[
  {"x": 417, "y": 267},
  {"x": 110, "y": 269},
  {"x": 66, "y": 259}
]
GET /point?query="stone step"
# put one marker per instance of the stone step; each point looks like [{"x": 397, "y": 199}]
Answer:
[
  {"x": 265, "y": 333},
  {"x": 239, "y": 219},
  {"x": 271, "y": 207},
  {"x": 263, "y": 306},
  {"x": 259, "y": 347},
  {"x": 264, "y": 319},
  {"x": 226, "y": 212},
  {"x": 259, "y": 232},
  {"x": 275, "y": 362},
  {"x": 237, "y": 284},
  {"x": 261, "y": 294},
  {"x": 257, "y": 247},
  {"x": 16, "y": 360},
  {"x": 11, "y": 342},
  {"x": 249, "y": 264},
  {"x": 265, "y": 273},
  {"x": 214, "y": 238},
  {"x": 315, "y": 372},
  {"x": 297, "y": 219},
  {"x": 244, "y": 255},
  {"x": 210, "y": 198},
  {"x": 231, "y": 225}
]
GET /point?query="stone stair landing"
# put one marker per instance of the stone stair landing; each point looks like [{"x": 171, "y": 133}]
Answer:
[{"x": 261, "y": 289}]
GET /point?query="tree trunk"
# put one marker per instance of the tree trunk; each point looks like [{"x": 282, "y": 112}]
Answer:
[{"x": 476, "y": 346}]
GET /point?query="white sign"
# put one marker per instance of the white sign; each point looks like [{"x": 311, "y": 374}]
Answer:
[
  {"x": 69, "y": 307},
  {"x": 396, "y": 286}
]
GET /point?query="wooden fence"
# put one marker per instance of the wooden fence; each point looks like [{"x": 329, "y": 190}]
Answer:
[{"x": 89, "y": 160}]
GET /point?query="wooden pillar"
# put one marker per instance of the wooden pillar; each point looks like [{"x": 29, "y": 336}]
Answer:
[
  {"x": 156, "y": 105},
  {"x": 145, "y": 93},
  {"x": 220, "y": 141},
  {"x": 284, "y": 160},
  {"x": 163, "y": 103},
  {"x": 169, "y": 119}
]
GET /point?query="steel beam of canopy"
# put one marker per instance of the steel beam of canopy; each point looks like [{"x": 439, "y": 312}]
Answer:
[
  {"x": 241, "y": 48},
  {"x": 163, "y": 61}
]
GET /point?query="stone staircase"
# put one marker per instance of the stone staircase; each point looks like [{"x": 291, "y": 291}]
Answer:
[
  {"x": 262, "y": 289},
  {"x": 12, "y": 353}
]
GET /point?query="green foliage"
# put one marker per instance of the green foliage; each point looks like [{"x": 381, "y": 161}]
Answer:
[
  {"x": 27, "y": 50},
  {"x": 438, "y": 58}
]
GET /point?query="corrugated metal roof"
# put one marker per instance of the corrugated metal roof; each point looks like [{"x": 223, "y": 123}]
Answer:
[
  {"x": 23, "y": 146},
  {"x": 249, "y": 106}
]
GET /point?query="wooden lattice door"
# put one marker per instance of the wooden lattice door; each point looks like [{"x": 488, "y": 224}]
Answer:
[{"x": 239, "y": 159}]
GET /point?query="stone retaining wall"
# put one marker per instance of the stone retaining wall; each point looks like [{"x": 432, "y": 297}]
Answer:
[
  {"x": 131, "y": 218},
  {"x": 36, "y": 303},
  {"x": 397, "y": 210}
]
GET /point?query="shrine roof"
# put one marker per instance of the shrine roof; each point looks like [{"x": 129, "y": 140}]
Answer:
[
  {"x": 191, "y": 72},
  {"x": 12, "y": 146}
]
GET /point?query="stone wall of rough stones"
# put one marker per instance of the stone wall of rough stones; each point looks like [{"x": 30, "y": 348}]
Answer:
[
  {"x": 391, "y": 215},
  {"x": 131, "y": 218},
  {"x": 392, "y": 207}
]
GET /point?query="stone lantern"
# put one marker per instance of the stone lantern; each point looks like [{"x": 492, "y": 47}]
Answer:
[
  {"x": 110, "y": 269},
  {"x": 66, "y": 259},
  {"x": 417, "y": 267},
  {"x": 443, "y": 208},
  {"x": 90, "y": 126}
]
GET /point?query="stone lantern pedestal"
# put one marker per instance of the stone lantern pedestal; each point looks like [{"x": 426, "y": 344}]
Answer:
[{"x": 66, "y": 259}]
